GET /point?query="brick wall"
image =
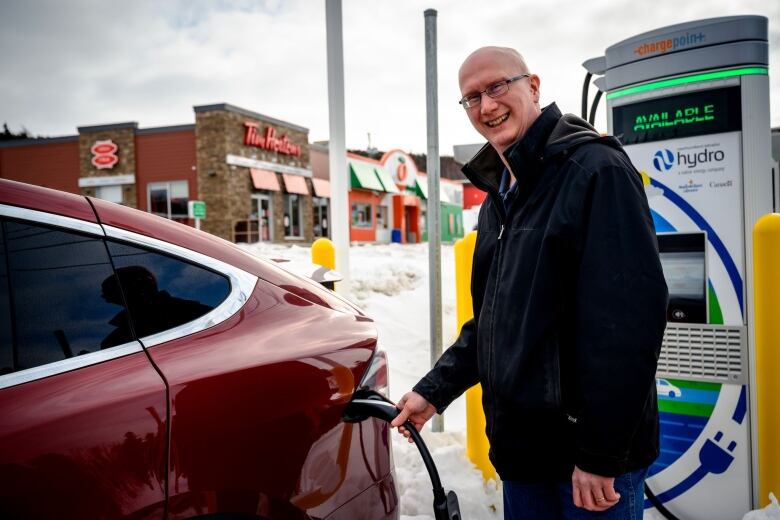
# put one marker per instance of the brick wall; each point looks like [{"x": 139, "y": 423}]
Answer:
[
  {"x": 164, "y": 157},
  {"x": 53, "y": 164},
  {"x": 227, "y": 189},
  {"x": 124, "y": 138}
]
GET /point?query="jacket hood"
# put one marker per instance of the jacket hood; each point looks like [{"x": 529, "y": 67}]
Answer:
[{"x": 570, "y": 131}]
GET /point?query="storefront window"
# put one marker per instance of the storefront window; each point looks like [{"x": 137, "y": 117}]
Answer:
[
  {"x": 259, "y": 224},
  {"x": 292, "y": 216},
  {"x": 381, "y": 217},
  {"x": 110, "y": 193},
  {"x": 457, "y": 197},
  {"x": 261, "y": 218},
  {"x": 321, "y": 221},
  {"x": 362, "y": 216},
  {"x": 169, "y": 199}
]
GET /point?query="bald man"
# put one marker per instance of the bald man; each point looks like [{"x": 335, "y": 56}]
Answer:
[{"x": 569, "y": 305}]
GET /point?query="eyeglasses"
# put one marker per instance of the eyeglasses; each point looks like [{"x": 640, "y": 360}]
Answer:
[{"x": 495, "y": 90}]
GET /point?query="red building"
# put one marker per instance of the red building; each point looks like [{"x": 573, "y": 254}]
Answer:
[
  {"x": 259, "y": 177},
  {"x": 387, "y": 197},
  {"x": 251, "y": 170}
]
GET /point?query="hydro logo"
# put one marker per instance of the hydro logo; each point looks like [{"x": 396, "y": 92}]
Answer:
[
  {"x": 663, "y": 160},
  {"x": 694, "y": 159}
]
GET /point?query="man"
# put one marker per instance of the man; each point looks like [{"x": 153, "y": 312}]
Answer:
[{"x": 569, "y": 305}]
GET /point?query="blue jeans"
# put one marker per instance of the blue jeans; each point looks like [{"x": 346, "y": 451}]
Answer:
[{"x": 553, "y": 501}]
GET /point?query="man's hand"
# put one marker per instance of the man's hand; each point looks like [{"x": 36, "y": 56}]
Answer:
[
  {"x": 414, "y": 408},
  {"x": 593, "y": 492}
]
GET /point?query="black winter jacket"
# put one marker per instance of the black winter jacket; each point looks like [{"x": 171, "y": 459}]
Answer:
[{"x": 569, "y": 308}]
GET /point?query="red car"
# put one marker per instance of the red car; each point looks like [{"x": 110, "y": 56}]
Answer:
[{"x": 148, "y": 370}]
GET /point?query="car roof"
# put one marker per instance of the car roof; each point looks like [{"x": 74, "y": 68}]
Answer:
[{"x": 45, "y": 199}]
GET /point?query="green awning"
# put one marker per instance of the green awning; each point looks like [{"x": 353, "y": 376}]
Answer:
[
  {"x": 386, "y": 180},
  {"x": 421, "y": 188},
  {"x": 364, "y": 177}
]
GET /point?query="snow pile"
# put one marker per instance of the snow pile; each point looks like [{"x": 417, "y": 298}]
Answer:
[
  {"x": 398, "y": 279},
  {"x": 387, "y": 269},
  {"x": 477, "y": 499},
  {"x": 394, "y": 271},
  {"x": 770, "y": 512}
]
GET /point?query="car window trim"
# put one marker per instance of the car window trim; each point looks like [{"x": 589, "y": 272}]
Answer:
[
  {"x": 60, "y": 221},
  {"x": 69, "y": 364},
  {"x": 242, "y": 284}
]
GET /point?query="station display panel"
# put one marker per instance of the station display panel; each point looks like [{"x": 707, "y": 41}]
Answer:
[
  {"x": 683, "y": 259},
  {"x": 685, "y": 115}
]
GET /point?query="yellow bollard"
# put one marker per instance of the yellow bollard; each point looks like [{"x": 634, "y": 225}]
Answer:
[
  {"x": 477, "y": 445},
  {"x": 464, "y": 253},
  {"x": 766, "y": 259},
  {"x": 323, "y": 253}
]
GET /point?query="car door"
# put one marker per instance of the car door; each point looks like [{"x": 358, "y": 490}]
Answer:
[
  {"x": 257, "y": 386},
  {"x": 83, "y": 412}
]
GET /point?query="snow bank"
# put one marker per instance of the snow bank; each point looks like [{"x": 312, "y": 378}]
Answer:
[
  {"x": 478, "y": 499},
  {"x": 770, "y": 512}
]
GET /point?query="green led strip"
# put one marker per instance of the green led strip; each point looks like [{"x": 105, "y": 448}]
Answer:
[{"x": 689, "y": 79}]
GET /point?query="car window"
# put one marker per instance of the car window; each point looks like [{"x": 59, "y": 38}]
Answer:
[
  {"x": 163, "y": 292},
  {"x": 53, "y": 292}
]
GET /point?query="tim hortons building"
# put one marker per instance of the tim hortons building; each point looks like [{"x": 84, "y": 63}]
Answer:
[{"x": 251, "y": 170}]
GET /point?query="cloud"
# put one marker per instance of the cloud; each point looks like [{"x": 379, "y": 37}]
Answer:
[
  {"x": 67, "y": 64},
  {"x": 652, "y": 191}
]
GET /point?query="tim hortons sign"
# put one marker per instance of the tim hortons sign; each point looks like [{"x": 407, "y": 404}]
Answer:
[
  {"x": 268, "y": 140},
  {"x": 104, "y": 154}
]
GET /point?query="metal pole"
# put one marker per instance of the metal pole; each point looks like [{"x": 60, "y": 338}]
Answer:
[
  {"x": 337, "y": 152},
  {"x": 434, "y": 226}
]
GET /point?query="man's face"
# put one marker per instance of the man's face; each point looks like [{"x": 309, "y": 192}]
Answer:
[{"x": 505, "y": 119}]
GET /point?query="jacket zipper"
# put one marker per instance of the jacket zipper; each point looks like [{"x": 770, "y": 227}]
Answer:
[
  {"x": 493, "y": 320},
  {"x": 499, "y": 212}
]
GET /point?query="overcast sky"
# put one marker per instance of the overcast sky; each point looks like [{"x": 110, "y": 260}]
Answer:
[{"x": 71, "y": 63}]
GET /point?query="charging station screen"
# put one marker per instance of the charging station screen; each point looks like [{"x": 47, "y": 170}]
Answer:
[
  {"x": 684, "y": 273},
  {"x": 684, "y": 264},
  {"x": 685, "y": 115}
]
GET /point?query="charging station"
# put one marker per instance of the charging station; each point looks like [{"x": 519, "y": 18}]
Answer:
[{"x": 690, "y": 103}]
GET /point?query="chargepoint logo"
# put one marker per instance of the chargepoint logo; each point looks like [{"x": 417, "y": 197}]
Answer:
[
  {"x": 671, "y": 44},
  {"x": 663, "y": 160}
]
